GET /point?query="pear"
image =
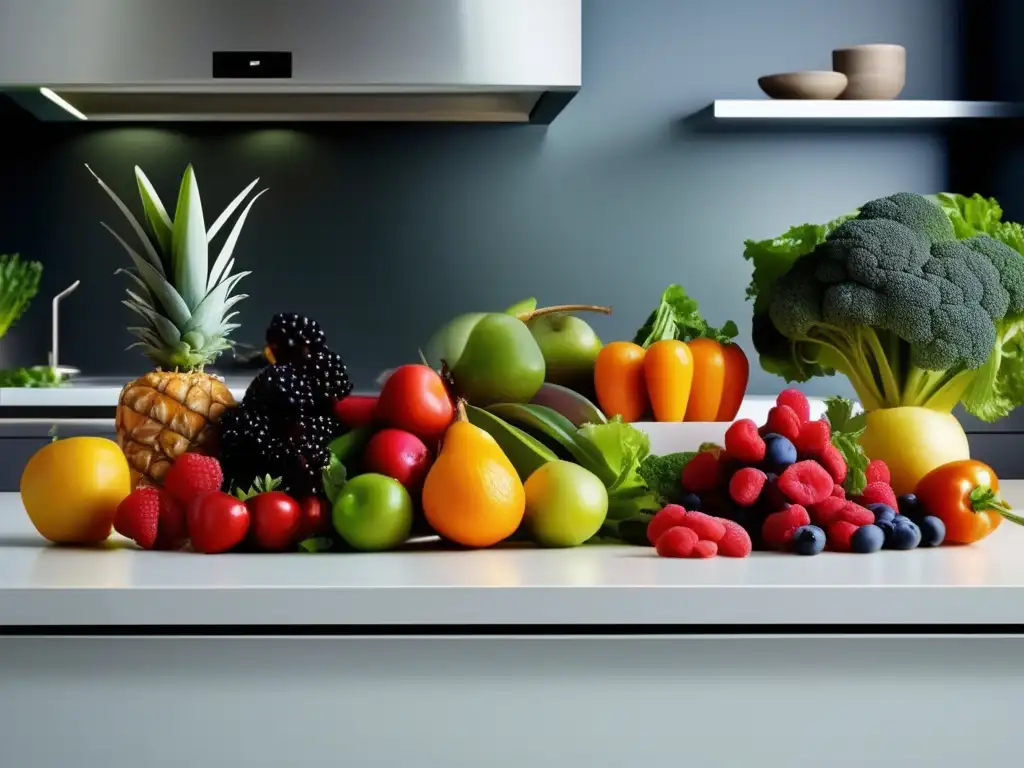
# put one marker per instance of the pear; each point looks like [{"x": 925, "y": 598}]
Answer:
[
  {"x": 570, "y": 348},
  {"x": 500, "y": 362}
]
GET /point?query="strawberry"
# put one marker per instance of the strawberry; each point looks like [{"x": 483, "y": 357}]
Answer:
[
  {"x": 138, "y": 516},
  {"x": 193, "y": 475}
]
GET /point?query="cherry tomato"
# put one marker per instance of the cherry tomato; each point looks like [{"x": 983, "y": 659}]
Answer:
[
  {"x": 276, "y": 520},
  {"x": 217, "y": 522},
  {"x": 316, "y": 517},
  {"x": 965, "y": 496},
  {"x": 415, "y": 399}
]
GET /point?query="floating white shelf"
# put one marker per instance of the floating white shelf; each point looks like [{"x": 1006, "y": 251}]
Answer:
[{"x": 786, "y": 109}]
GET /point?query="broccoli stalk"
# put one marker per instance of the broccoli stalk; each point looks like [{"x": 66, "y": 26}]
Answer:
[{"x": 913, "y": 306}]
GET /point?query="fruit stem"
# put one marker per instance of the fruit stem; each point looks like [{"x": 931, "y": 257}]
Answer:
[
  {"x": 528, "y": 316},
  {"x": 460, "y": 410},
  {"x": 984, "y": 498}
]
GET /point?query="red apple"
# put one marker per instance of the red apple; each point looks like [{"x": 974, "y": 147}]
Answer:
[
  {"x": 415, "y": 399},
  {"x": 400, "y": 455}
]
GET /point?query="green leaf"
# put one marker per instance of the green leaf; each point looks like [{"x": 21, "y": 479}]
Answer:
[
  {"x": 190, "y": 253},
  {"x": 856, "y": 463},
  {"x": 19, "y": 284},
  {"x": 317, "y": 544},
  {"x": 840, "y": 414},
  {"x": 211, "y": 309},
  {"x": 151, "y": 255},
  {"x": 169, "y": 298},
  {"x": 334, "y": 478},
  {"x": 159, "y": 222},
  {"x": 167, "y": 330},
  {"x": 348, "y": 448},
  {"x": 226, "y": 213},
  {"x": 677, "y": 317},
  {"x": 222, "y": 265}
]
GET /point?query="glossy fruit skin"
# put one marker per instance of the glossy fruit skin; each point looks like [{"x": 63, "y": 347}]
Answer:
[
  {"x": 400, "y": 455},
  {"x": 945, "y": 493},
  {"x": 217, "y": 522},
  {"x": 619, "y": 381},
  {"x": 500, "y": 363},
  {"x": 912, "y": 442},
  {"x": 734, "y": 385},
  {"x": 570, "y": 348},
  {"x": 356, "y": 410},
  {"x": 565, "y": 504},
  {"x": 708, "y": 380},
  {"x": 473, "y": 495},
  {"x": 316, "y": 517},
  {"x": 448, "y": 342},
  {"x": 71, "y": 489},
  {"x": 415, "y": 399},
  {"x": 275, "y": 520},
  {"x": 668, "y": 371},
  {"x": 373, "y": 512}
]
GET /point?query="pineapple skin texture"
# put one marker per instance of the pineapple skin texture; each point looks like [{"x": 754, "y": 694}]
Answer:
[{"x": 165, "y": 414}]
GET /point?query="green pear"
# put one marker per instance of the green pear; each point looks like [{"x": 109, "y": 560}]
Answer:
[
  {"x": 570, "y": 348},
  {"x": 449, "y": 340},
  {"x": 500, "y": 362}
]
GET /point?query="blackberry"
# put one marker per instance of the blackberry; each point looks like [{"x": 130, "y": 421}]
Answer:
[
  {"x": 301, "y": 471},
  {"x": 292, "y": 336},
  {"x": 328, "y": 377},
  {"x": 281, "y": 390}
]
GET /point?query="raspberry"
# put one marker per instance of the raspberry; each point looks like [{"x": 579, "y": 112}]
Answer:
[
  {"x": 172, "y": 532},
  {"x": 827, "y": 511},
  {"x": 815, "y": 437},
  {"x": 838, "y": 491},
  {"x": 704, "y": 548},
  {"x": 834, "y": 463},
  {"x": 779, "y": 526},
  {"x": 839, "y": 535},
  {"x": 676, "y": 542},
  {"x": 704, "y": 525},
  {"x": 736, "y": 542},
  {"x": 138, "y": 516},
  {"x": 746, "y": 485},
  {"x": 878, "y": 472},
  {"x": 192, "y": 475},
  {"x": 797, "y": 401},
  {"x": 670, "y": 516},
  {"x": 806, "y": 482},
  {"x": 878, "y": 493},
  {"x": 742, "y": 442},
  {"x": 702, "y": 473},
  {"x": 782, "y": 420},
  {"x": 851, "y": 512},
  {"x": 771, "y": 496}
]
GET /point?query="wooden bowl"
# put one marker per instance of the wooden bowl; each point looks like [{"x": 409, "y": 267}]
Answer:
[
  {"x": 876, "y": 71},
  {"x": 803, "y": 85}
]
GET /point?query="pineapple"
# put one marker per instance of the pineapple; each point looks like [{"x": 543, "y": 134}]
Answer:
[{"x": 184, "y": 303}]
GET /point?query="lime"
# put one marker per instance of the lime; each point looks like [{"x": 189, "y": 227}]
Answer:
[{"x": 373, "y": 512}]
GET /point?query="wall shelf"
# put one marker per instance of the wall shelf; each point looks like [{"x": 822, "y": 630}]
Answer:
[{"x": 792, "y": 109}]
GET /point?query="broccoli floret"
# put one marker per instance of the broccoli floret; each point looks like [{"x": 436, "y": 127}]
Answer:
[
  {"x": 1009, "y": 266},
  {"x": 915, "y": 212}
]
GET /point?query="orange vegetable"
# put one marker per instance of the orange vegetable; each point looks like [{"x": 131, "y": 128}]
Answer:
[
  {"x": 737, "y": 375},
  {"x": 619, "y": 380},
  {"x": 965, "y": 496},
  {"x": 708, "y": 379},
  {"x": 668, "y": 371}
]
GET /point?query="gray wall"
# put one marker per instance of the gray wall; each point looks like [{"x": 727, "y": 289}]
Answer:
[{"x": 382, "y": 232}]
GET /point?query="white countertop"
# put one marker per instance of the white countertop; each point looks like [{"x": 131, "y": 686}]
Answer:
[
  {"x": 598, "y": 585},
  {"x": 85, "y": 392}
]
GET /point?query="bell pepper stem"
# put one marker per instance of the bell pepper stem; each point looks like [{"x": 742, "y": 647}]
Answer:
[{"x": 984, "y": 499}]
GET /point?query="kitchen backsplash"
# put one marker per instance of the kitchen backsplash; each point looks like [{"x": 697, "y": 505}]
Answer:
[{"x": 382, "y": 232}]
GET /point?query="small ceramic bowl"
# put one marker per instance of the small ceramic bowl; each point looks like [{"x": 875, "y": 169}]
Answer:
[
  {"x": 803, "y": 85},
  {"x": 877, "y": 71}
]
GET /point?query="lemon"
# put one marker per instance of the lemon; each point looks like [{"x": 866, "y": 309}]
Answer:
[
  {"x": 71, "y": 488},
  {"x": 912, "y": 442}
]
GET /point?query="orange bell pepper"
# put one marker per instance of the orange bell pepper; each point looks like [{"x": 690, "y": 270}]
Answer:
[
  {"x": 708, "y": 379},
  {"x": 737, "y": 375},
  {"x": 668, "y": 371},
  {"x": 964, "y": 495},
  {"x": 619, "y": 380}
]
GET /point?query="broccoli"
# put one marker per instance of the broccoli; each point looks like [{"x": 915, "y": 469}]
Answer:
[{"x": 914, "y": 306}]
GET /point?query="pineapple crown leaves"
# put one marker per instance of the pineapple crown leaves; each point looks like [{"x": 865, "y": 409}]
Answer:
[{"x": 183, "y": 299}]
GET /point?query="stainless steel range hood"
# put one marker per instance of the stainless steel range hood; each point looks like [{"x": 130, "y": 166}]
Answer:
[{"x": 509, "y": 61}]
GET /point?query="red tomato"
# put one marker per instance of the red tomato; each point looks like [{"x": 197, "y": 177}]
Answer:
[
  {"x": 276, "y": 520},
  {"x": 356, "y": 410},
  {"x": 415, "y": 399},
  {"x": 217, "y": 522},
  {"x": 316, "y": 519},
  {"x": 965, "y": 496},
  {"x": 398, "y": 454}
]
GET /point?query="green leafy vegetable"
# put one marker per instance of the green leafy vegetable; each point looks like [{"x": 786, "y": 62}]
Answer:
[
  {"x": 847, "y": 428},
  {"x": 663, "y": 475},
  {"x": 19, "y": 283},
  {"x": 317, "y": 544},
  {"x": 678, "y": 317},
  {"x": 334, "y": 477},
  {"x": 33, "y": 378}
]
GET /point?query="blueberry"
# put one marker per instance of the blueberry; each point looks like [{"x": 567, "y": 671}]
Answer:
[
  {"x": 933, "y": 531},
  {"x": 779, "y": 451},
  {"x": 906, "y": 534},
  {"x": 690, "y": 501},
  {"x": 867, "y": 539},
  {"x": 883, "y": 513},
  {"x": 808, "y": 540},
  {"x": 888, "y": 528},
  {"x": 909, "y": 506}
]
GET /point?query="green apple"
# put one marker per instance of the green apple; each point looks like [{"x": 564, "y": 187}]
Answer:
[
  {"x": 570, "y": 348},
  {"x": 373, "y": 512},
  {"x": 565, "y": 504}
]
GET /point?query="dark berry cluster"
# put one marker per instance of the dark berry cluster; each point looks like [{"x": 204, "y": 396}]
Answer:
[{"x": 285, "y": 422}]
